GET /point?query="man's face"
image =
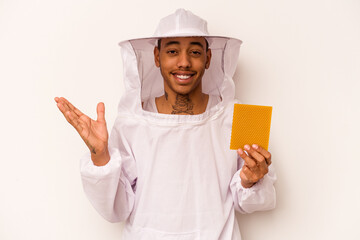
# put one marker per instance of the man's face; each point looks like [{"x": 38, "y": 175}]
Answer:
[{"x": 182, "y": 63}]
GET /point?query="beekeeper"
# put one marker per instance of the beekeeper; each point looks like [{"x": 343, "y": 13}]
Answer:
[{"x": 167, "y": 169}]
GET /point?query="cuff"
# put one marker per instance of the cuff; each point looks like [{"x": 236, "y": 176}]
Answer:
[{"x": 88, "y": 169}]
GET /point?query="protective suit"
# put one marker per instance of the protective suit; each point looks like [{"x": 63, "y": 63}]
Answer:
[{"x": 174, "y": 176}]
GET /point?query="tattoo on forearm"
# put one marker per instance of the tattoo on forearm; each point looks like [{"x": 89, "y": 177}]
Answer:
[
  {"x": 92, "y": 149},
  {"x": 183, "y": 104}
]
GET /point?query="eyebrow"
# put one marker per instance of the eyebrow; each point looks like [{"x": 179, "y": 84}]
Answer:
[
  {"x": 171, "y": 43},
  {"x": 198, "y": 44},
  {"x": 178, "y": 43}
]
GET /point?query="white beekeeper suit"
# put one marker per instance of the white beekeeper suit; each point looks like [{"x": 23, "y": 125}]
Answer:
[{"x": 174, "y": 176}]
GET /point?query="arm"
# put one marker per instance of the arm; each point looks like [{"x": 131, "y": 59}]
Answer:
[
  {"x": 252, "y": 186},
  {"x": 108, "y": 179}
]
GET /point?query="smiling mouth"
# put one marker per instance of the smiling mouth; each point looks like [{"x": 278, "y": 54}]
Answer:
[{"x": 183, "y": 76}]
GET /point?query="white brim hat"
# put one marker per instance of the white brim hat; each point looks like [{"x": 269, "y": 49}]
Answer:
[{"x": 182, "y": 23}]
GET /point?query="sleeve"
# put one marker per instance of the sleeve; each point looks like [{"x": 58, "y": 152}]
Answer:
[
  {"x": 260, "y": 197},
  {"x": 110, "y": 188}
]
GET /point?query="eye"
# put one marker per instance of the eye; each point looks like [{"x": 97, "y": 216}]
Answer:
[
  {"x": 195, "y": 52},
  {"x": 171, "y": 52}
]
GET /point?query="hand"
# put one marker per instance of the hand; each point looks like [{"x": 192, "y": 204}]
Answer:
[
  {"x": 94, "y": 133},
  {"x": 256, "y": 164}
]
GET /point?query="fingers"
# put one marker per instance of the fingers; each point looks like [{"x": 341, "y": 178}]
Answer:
[
  {"x": 74, "y": 121},
  {"x": 67, "y": 106},
  {"x": 100, "y": 110},
  {"x": 253, "y": 159},
  {"x": 263, "y": 152},
  {"x": 71, "y": 113},
  {"x": 64, "y": 110},
  {"x": 259, "y": 159},
  {"x": 248, "y": 160},
  {"x": 62, "y": 105},
  {"x": 257, "y": 153}
]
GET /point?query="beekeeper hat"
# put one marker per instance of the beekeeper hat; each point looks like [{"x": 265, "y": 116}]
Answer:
[
  {"x": 140, "y": 71},
  {"x": 181, "y": 23}
]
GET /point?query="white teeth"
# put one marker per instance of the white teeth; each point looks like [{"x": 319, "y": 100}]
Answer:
[{"x": 183, "y": 76}]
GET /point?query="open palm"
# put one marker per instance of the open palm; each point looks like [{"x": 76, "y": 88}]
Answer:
[{"x": 94, "y": 133}]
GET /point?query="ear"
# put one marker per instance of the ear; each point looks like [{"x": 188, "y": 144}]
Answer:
[
  {"x": 156, "y": 56},
  {"x": 208, "y": 58}
]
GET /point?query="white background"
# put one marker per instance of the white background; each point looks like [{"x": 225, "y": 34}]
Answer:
[{"x": 301, "y": 57}]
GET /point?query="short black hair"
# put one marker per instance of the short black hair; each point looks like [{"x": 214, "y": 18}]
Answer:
[{"x": 159, "y": 44}]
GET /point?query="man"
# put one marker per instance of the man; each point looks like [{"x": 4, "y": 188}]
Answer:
[{"x": 167, "y": 169}]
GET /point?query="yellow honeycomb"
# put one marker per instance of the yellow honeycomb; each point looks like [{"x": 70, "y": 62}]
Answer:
[{"x": 251, "y": 124}]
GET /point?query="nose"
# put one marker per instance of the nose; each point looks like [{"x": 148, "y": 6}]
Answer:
[{"x": 183, "y": 60}]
